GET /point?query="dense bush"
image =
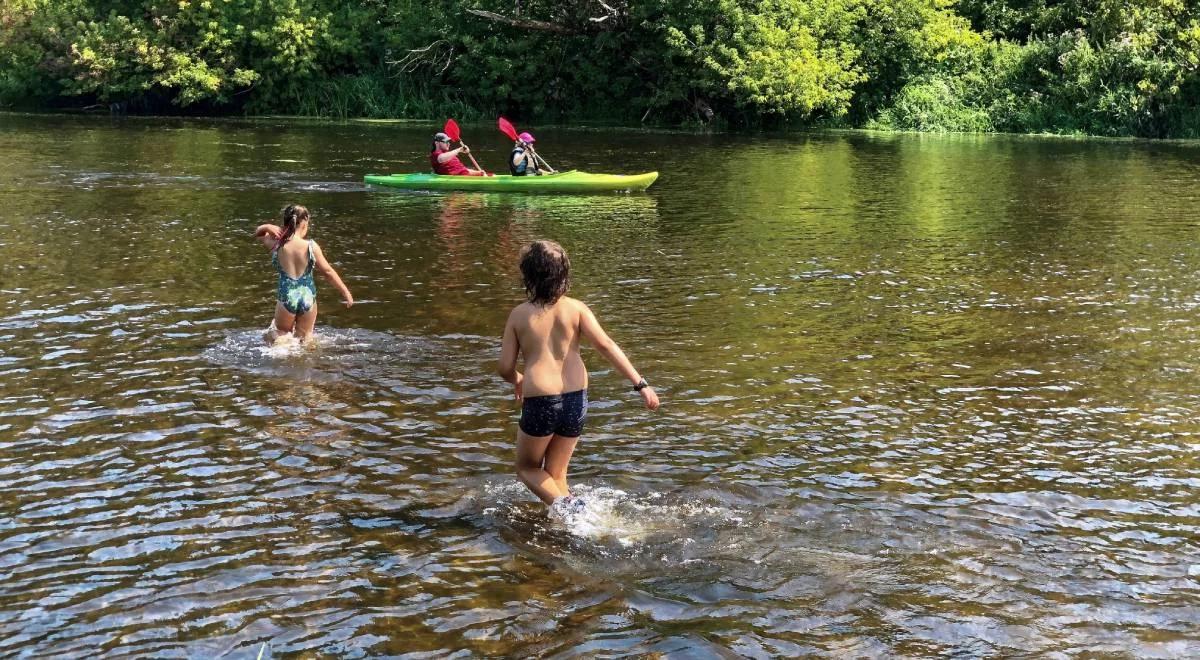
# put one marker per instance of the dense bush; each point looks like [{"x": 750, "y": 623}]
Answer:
[
  {"x": 1090, "y": 66},
  {"x": 1094, "y": 66},
  {"x": 934, "y": 104}
]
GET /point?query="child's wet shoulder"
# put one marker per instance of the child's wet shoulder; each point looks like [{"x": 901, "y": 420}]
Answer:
[
  {"x": 577, "y": 305},
  {"x": 520, "y": 312}
]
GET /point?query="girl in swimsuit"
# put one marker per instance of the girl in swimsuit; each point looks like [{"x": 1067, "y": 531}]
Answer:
[
  {"x": 546, "y": 329},
  {"x": 295, "y": 258}
]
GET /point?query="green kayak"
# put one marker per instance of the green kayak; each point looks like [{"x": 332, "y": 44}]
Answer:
[{"x": 564, "y": 182}]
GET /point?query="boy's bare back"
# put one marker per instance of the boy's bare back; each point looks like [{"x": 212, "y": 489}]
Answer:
[{"x": 548, "y": 337}]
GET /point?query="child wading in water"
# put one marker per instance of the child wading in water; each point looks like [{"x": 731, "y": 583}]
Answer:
[
  {"x": 546, "y": 330},
  {"x": 295, "y": 257}
]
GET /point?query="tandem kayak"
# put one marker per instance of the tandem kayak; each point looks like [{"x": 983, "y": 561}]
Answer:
[{"x": 564, "y": 182}]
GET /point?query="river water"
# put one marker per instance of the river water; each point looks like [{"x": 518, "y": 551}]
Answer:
[{"x": 922, "y": 395}]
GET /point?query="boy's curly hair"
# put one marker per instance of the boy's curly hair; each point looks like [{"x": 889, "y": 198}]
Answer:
[{"x": 546, "y": 271}]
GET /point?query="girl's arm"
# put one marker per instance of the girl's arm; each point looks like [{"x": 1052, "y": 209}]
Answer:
[
  {"x": 331, "y": 275},
  {"x": 595, "y": 334},
  {"x": 268, "y": 234},
  {"x": 509, "y": 348}
]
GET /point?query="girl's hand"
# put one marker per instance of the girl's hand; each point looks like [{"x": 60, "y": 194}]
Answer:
[
  {"x": 518, "y": 386},
  {"x": 348, "y": 300},
  {"x": 650, "y": 398},
  {"x": 268, "y": 234}
]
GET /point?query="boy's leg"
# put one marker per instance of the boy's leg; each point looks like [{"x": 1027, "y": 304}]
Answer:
[
  {"x": 531, "y": 452},
  {"x": 558, "y": 455}
]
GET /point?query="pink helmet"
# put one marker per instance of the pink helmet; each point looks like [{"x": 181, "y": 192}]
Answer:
[{"x": 525, "y": 137}]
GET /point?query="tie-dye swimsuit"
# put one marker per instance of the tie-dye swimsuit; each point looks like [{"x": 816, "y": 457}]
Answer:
[{"x": 297, "y": 293}]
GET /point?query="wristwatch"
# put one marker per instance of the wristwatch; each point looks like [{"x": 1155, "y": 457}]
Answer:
[{"x": 641, "y": 384}]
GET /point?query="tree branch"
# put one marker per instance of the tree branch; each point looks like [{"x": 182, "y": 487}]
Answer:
[
  {"x": 437, "y": 55},
  {"x": 523, "y": 23}
]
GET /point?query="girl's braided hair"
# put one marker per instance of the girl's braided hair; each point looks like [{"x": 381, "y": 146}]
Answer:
[{"x": 291, "y": 217}]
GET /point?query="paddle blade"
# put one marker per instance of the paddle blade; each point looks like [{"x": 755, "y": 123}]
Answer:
[
  {"x": 451, "y": 129},
  {"x": 507, "y": 128}
]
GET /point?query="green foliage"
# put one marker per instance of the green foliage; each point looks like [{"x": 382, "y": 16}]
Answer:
[
  {"x": 935, "y": 105},
  {"x": 33, "y": 45},
  {"x": 1020, "y": 20},
  {"x": 1099, "y": 67},
  {"x": 1133, "y": 71},
  {"x": 380, "y": 97},
  {"x": 184, "y": 51},
  {"x": 773, "y": 57},
  {"x": 905, "y": 40},
  {"x": 1094, "y": 66}
]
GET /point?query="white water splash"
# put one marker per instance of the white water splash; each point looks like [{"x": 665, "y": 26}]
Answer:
[{"x": 611, "y": 514}]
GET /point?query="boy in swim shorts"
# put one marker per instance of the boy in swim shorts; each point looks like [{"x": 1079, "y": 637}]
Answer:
[{"x": 553, "y": 389}]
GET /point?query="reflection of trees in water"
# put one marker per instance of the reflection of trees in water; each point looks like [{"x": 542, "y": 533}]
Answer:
[
  {"x": 592, "y": 227},
  {"x": 575, "y": 210},
  {"x": 464, "y": 224},
  {"x": 465, "y": 244},
  {"x": 453, "y": 259},
  {"x": 480, "y": 235},
  {"x": 918, "y": 251}
]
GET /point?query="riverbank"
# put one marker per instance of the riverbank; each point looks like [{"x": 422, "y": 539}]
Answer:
[
  {"x": 983, "y": 65},
  {"x": 485, "y": 126}
]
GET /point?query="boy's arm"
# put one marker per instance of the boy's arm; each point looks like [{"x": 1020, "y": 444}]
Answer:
[
  {"x": 332, "y": 275},
  {"x": 268, "y": 234},
  {"x": 600, "y": 340},
  {"x": 595, "y": 334},
  {"x": 509, "y": 348}
]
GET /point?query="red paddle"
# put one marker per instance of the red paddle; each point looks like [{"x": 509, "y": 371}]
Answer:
[
  {"x": 451, "y": 129},
  {"x": 508, "y": 129}
]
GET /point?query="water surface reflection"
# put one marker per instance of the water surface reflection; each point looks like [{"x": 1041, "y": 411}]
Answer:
[{"x": 924, "y": 396}]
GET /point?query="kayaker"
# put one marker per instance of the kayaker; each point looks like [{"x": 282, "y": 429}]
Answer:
[
  {"x": 523, "y": 161},
  {"x": 444, "y": 160}
]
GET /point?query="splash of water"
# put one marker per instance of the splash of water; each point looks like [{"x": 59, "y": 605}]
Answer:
[
  {"x": 329, "y": 348},
  {"x": 632, "y": 521}
]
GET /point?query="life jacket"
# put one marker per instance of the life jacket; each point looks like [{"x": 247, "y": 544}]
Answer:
[
  {"x": 522, "y": 169},
  {"x": 451, "y": 167}
]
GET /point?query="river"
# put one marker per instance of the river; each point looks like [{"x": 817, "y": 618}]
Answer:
[{"x": 922, "y": 396}]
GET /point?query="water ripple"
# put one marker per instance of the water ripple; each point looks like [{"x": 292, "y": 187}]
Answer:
[{"x": 927, "y": 396}]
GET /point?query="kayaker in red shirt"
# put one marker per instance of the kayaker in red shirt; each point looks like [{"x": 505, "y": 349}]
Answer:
[{"x": 444, "y": 160}]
